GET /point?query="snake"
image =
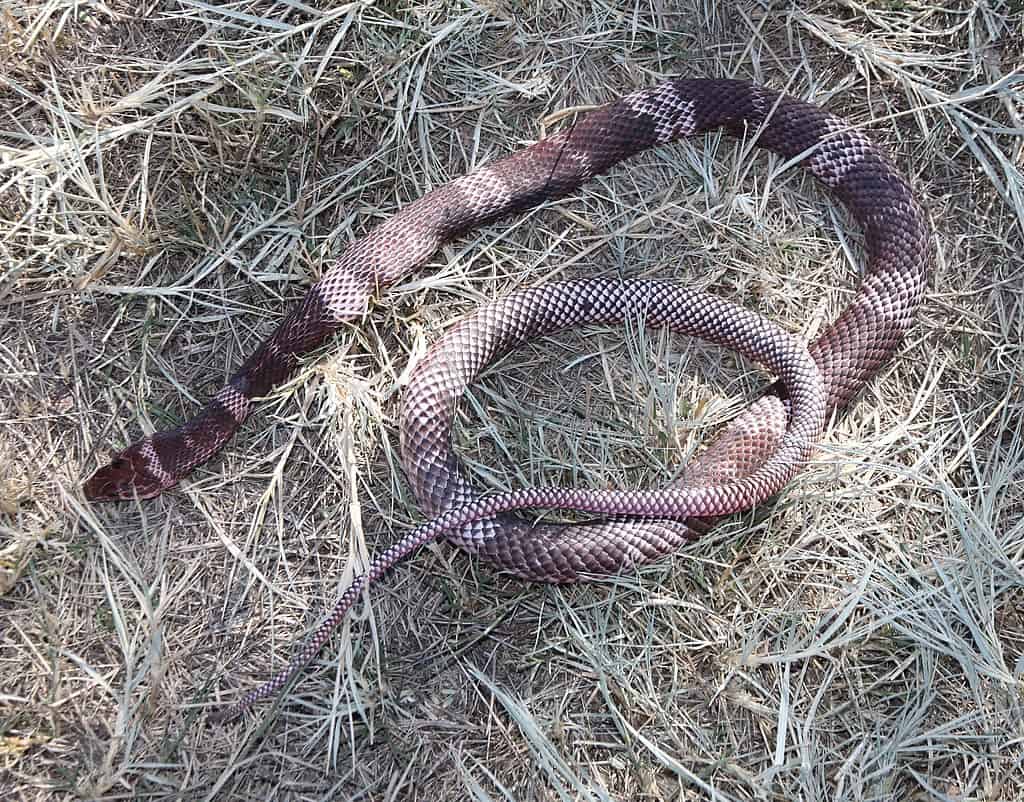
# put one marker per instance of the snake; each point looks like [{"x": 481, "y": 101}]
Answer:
[{"x": 751, "y": 460}]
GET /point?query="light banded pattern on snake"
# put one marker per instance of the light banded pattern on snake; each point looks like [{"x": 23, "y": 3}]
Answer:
[{"x": 729, "y": 475}]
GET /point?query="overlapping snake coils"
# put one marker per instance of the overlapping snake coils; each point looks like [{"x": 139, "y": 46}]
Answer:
[
  {"x": 561, "y": 553},
  {"x": 847, "y": 353},
  {"x": 480, "y": 522}
]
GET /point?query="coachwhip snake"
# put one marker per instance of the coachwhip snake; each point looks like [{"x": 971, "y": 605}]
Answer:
[{"x": 750, "y": 461}]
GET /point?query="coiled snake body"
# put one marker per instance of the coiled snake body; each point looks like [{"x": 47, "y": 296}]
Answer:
[{"x": 750, "y": 461}]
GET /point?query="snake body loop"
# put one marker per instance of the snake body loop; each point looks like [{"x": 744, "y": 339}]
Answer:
[
  {"x": 479, "y": 522},
  {"x": 749, "y": 461}
]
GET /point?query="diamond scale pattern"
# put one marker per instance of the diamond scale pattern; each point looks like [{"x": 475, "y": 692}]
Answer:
[{"x": 755, "y": 452}]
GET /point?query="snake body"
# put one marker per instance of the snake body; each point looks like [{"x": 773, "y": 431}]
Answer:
[{"x": 755, "y": 455}]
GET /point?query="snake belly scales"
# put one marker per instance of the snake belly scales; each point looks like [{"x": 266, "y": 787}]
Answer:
[{"x": 752, "y": 458}]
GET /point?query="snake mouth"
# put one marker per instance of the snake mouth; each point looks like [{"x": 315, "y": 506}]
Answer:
[{"x": 127, "y": 476}]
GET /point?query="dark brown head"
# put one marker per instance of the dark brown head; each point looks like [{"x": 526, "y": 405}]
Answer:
[{"x": 134, "y": 473}]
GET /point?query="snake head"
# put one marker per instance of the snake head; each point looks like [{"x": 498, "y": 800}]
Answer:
[{"x": 133, "y": 473}]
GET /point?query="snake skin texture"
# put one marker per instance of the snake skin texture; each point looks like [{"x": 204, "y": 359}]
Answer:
[
  {"x": 556, "y": 553},
  {"x": 847, "y": 353},
  {"x": 476, "y": 522}
]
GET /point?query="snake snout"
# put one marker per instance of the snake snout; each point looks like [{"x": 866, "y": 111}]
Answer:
[{"x": 127, "y": 476}]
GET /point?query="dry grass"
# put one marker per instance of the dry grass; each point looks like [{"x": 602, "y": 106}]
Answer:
[{"x": 173, "y": 174}]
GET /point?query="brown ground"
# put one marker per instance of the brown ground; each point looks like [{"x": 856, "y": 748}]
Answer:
[{"x": 173, "y": 174}]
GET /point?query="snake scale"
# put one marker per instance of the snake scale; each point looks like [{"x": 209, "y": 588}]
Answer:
[{"x": 754, "y": 456}]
